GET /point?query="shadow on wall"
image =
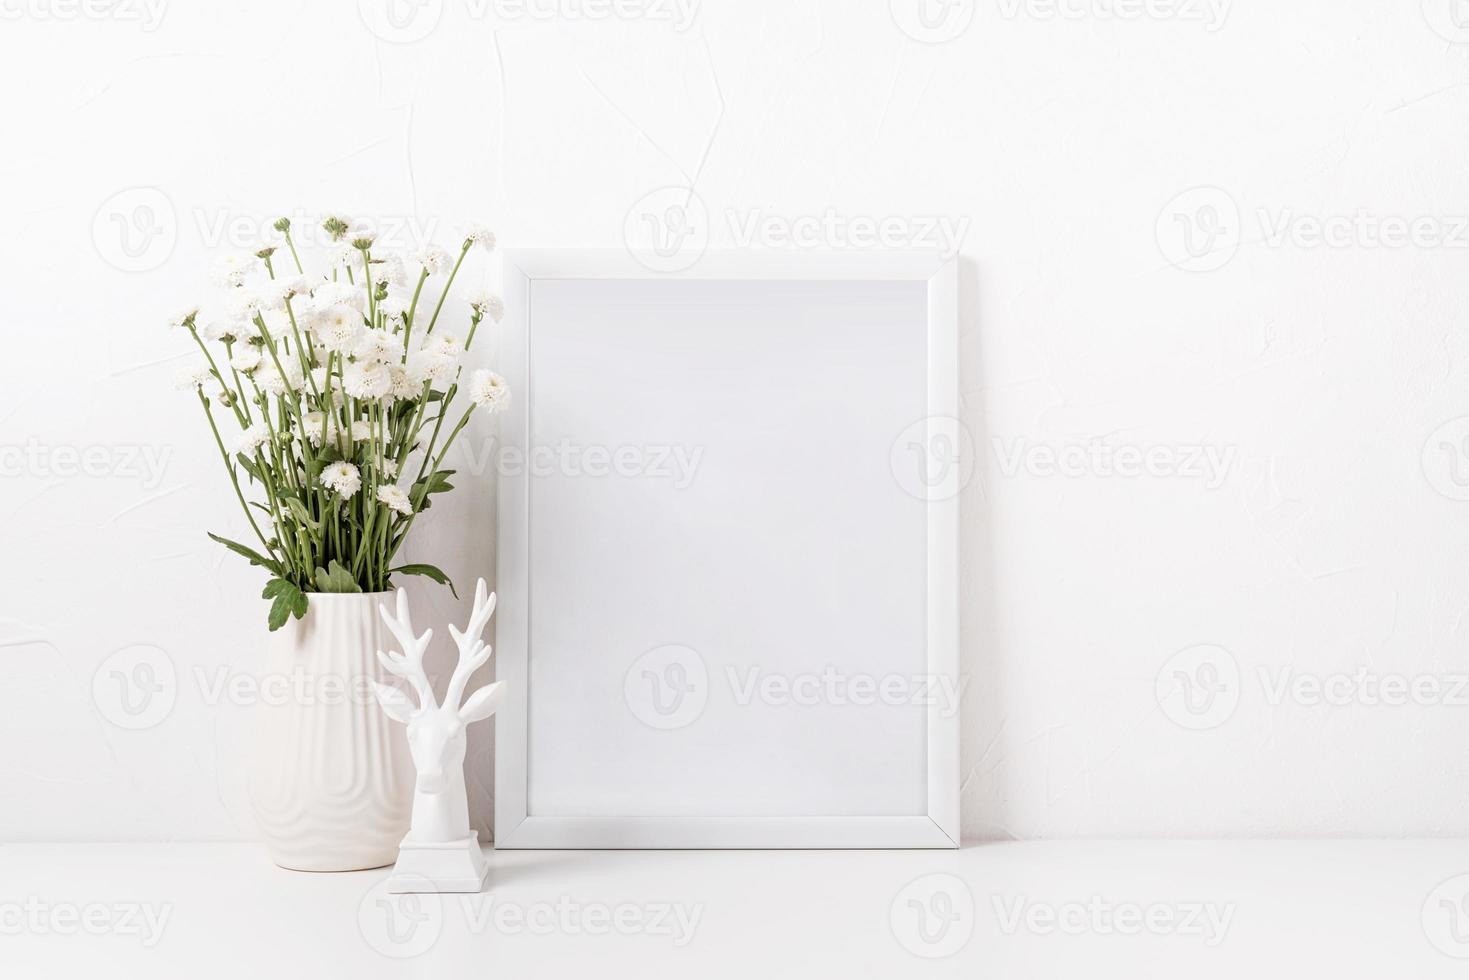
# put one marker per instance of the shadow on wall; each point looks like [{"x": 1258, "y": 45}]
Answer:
[{"x": 982, "y": 794}]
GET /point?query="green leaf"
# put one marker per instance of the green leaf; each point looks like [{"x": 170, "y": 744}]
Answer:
[
  {"x": 435, "y": 482},
  {"x": 249, "y": 467},
  {"x": 289, "y": 601},
  {"x": 303, "y": 515},
  {"x": 428, "y": 570},
  {"x": 335, "y": 578},
  {"x": 254, "y": 557}
]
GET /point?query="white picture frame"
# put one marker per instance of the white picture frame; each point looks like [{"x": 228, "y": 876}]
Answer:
[{"x": 695, "y": 812}]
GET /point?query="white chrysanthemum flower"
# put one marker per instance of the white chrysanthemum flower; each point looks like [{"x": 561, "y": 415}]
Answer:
[
  {"x": 366, "y": 380},
  {"x": 232, "y": 269},
  {"x": 442, "y": 344},
  {"x": 480, "y": 235},
  {"x": 269, "y": 295},
  {"x": 337, "y": 328},
  {"x": 227, "y": 330},
  {"x": 336, "y": 225},
  {"x": 361, "y": 234},
  {"x": 390, "y": 269},
  {"x": 342, "y": 478},
  {"x": 277, "y": 323},
  {"x": 246, "y": 359},
  {"x": 395, "y": 499},
  {"x": 192, "y": 378},
  {"x": 432, "y": 367},
  {"x": 433, "y": 259},
  {"x": 378, "y": 346},
  {"x": 344, "y": 256},
  {"x": 489, "y": 391},
  {"x": 297, "y": 286},
  {"x": 361, "y": 430},
  {"x": 388, "y": 468},
  {"x": 393, "y": 306},
  {"x": 311, "y": 424},
  {"x": 184, "y": 317},
  {"x": 404, "y": 387},
  {"x": 243, "y": 304},
  {"x": 269, "y": 379},
  {"x": 329, "y": 294},
  {"x": 252, "y": 439},
  {"x": 486, "y": 304}
]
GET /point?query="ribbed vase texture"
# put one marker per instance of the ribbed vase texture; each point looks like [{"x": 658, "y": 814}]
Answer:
[{"x": 331, "y": 780}]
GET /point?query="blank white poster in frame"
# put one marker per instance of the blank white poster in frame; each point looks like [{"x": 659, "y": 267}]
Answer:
[{"x": 728, "y": 578}]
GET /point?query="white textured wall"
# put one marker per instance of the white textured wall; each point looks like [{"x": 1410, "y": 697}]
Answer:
[{"x": 1317, "y": 370}]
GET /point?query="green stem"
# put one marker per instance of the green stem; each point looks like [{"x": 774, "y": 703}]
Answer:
[
  {"x": 234, "y": 480},
  {"x": 445, "y": 294}
]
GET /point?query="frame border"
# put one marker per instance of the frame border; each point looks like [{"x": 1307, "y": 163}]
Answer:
[{"x": 514, "y": 826}]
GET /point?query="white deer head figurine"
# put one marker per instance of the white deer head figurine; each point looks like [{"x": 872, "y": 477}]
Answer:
[{"x": 436, "y": 733}]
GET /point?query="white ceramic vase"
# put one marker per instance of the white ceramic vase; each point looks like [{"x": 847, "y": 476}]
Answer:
[{"x": 331, "y": 781}]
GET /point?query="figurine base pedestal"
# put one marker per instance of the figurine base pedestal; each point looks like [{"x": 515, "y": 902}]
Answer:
[{"x": 457, "y": 866}]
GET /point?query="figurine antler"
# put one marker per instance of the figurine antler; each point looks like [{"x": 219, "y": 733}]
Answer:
[
  {"x": 407, "y": 665},
  {"x": 473, "y": 652}
]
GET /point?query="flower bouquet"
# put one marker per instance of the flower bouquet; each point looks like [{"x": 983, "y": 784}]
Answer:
[{"x": 342, "y": 386}]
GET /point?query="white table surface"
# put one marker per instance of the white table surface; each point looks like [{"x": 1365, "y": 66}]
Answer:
[{"x": 1050, "y": 909}]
